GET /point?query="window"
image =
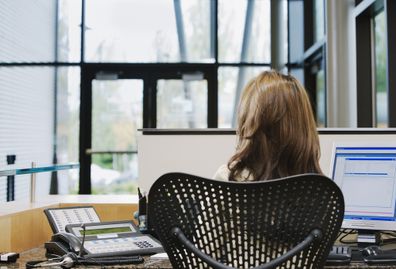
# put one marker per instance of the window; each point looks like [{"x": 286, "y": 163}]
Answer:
[
  {"x": 69, "y": 31},
  {"x": 27, "y": 110},
  {"x": 27, "y": 79},
  {"x": 375, "y": 63},
  {"x": 116, "y": 117},
  {"x": 244, "y": 31},
  {"x": 182, "y": 103},
  {"x": 31, "y": 37},
  {"x": 67, "y": 126},
  {"x": 147, "y": 31},
  {"x": 164, "y": 64},
  {"x": 307, "y": 51},
  {"x": 381, "y": 95}
]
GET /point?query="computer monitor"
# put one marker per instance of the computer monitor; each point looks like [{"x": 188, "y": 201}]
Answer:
[{"x": 367, "y": 178}]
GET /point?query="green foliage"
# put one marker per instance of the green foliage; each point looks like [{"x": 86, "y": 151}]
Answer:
[
  {"x": 103, "y": 160},
  {"x": 380, "y": 52}
]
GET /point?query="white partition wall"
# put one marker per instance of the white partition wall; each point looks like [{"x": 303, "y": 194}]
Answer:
[{"x": 201, "y": 152}]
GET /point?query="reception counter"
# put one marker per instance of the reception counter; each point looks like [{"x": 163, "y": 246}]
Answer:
[{"x": 23, "y": 225}]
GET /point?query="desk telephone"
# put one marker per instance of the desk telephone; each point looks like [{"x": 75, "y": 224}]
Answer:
[{"x": 95, "y": 238}]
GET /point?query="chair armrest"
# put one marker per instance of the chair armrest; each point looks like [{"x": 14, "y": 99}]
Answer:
[{"x": 314, "y": 235}]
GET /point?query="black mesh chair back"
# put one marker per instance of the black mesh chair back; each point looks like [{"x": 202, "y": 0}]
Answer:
[{"x": 282, "y": 223}]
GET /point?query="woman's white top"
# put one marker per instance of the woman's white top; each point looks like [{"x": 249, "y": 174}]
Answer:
[{"x": 223, "y": 173}]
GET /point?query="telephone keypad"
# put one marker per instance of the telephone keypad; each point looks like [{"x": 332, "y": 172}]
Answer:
[{"x": 119, "y": 244}]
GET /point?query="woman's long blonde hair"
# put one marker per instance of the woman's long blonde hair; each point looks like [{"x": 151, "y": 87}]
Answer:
[{"x": 276, "y": 130}]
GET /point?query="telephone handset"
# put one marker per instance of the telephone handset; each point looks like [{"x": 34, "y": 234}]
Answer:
[{"x": 62, "y": 243}]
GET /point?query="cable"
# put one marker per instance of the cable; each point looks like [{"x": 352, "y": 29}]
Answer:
[
  {"x": 66, "y": 261},
  {"x": 345, "y": 233}
]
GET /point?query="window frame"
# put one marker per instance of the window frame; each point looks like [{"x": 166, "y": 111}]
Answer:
[
  {"x": 313, "y": 54},
  {"x": 364, "y": 12}
]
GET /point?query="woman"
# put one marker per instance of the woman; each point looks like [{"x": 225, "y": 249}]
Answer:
[{"x": 276, "y": 131}]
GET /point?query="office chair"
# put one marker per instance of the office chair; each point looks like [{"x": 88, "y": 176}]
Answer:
[{"x": 290, "y": 222}]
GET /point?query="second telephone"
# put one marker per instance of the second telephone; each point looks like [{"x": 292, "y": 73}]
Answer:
[{"x": 98, "y": 239}]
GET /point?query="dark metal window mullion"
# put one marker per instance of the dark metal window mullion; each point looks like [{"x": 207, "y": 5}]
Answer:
[
  {"x": 82, "y": 44},
  {"x": 324, "y": 63},
  {"x": 390, "y": 15},
  {"x": 213, "y": 30},
  {"x": 54, "y": 175},
  {"x": 212, "y": 75},
  {"x": 363, "y": 70},
  {"x": 85, "y": 129}
]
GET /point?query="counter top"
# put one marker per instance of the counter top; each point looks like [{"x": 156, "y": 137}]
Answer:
[{"x": 39, "y": 254}]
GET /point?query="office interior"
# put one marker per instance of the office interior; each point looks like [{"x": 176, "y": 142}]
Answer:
[{"x": 95, "y": 95}]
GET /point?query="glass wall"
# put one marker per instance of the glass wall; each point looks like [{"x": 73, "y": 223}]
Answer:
[
  {"x": 27, "y": 31},
  {"x": 376, "y": 63},
  {"x": 116, "y": 116},
  {"x": 307, "y": 51},
  {"x": 69, "y": 31},
  {"x": 182, "y": 103},
  {"x": 65, "y": 40},
  {"x": 147, "y": 31},
  {"x": 67, "y": 125},
  {"x": 381, "y": 95},
  {"x": 244, "y": 35},
  {"x": 27, "y": 81}
]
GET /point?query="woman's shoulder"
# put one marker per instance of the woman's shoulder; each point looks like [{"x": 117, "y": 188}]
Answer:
[{"x": 222, "y": 173}]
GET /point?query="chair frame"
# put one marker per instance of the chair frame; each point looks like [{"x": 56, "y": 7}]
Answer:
[{"x": 188, "y": 196}]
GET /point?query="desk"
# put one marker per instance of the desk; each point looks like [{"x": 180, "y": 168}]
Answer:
[{"x": 39, "y": 254}]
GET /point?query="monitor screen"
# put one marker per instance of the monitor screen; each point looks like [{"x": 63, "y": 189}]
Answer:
[{"x": 367, "y": 178}]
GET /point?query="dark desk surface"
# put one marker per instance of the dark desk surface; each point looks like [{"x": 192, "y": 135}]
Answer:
[{"x": 39, "y": 254}]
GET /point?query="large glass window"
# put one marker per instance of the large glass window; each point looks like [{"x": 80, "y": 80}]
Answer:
[
  {"x": 147, "y": 31},
  {"x": 375, "y": 63},
  {"x": 26, "y": 121},
  {"x": 236, "y": 29},
  {"x": 319, "y": 20},
  {"x": 195, "y": 15},
  {"x": 222, "y": 50},
  {"x": 307, "y": 51},
  {"x": 27, "y": 31},
  {"x": 68, "y": 126},
  {"x": 182, "y": 103},
  {"x": 381, "y": 95},
  {"x": 69, "y": 30},
  {"x": 117, "y": 114}
]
